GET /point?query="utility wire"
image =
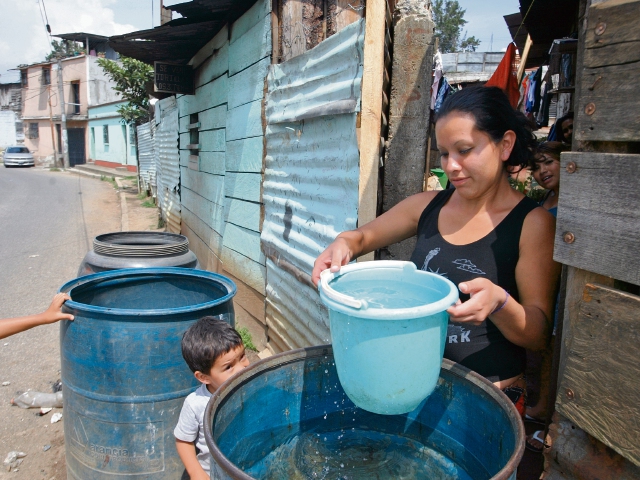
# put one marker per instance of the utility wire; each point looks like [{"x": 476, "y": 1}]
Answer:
[
  {"x": 43, "y": 15},
  {"x": 522, "y": 23}
]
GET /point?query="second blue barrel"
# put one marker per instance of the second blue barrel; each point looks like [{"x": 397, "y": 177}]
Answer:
[{"x": 123, "y": 375}]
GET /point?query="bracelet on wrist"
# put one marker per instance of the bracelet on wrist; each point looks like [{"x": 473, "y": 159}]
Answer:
[{"x": 497, "y": 309}]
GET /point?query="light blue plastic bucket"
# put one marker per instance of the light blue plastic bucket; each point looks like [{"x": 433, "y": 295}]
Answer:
[{"x": 388, "y": 328}]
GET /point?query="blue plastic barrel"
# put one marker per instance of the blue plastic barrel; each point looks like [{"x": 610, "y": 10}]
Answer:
[
  {"x": 288, "y": 417},
  {"x": 392, "y": 307},
  {"x": 123, "y": 375}
]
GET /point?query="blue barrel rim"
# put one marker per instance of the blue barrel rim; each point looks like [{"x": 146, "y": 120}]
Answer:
[
  {"x": 111, "y": 274},
  {"x": 292, "y": 356}
]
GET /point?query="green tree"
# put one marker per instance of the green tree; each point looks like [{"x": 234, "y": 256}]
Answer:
[
  {"x": 469, "y": 44},
  {"x": 63, "y": 49},
  {"x": 448, "y": 16},
  {"x": 130, "y": 77}
]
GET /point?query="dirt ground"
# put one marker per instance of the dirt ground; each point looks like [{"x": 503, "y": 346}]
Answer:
[{"x": 23, "y": 429}]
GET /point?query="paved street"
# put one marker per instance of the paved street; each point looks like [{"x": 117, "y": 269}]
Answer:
[{"x": 48, "y": 220}]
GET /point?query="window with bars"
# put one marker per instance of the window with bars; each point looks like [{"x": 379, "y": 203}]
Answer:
[
  {"x": 105, "y": 134},
  {"x": 46, "y": 76},
  {"x": 33, "y": 131}
]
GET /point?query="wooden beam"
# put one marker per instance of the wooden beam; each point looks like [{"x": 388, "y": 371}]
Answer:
[
  {"x": 523, "y": 58},
  {"x": 597, "y": 231},
  {"x": 602, "y": 374},
  {"x": 372, "y": 79}
]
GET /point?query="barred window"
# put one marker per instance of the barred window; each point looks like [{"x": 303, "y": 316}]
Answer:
[
  {"x": 105, "y": 134},
  {"x": 33, "y": 131}
]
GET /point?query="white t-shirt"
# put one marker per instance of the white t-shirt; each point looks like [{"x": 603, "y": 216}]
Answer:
[{"x": 190, "y": 426}]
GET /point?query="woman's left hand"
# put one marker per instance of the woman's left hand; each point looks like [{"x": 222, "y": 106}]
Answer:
[{"x": 486, "y": 296}]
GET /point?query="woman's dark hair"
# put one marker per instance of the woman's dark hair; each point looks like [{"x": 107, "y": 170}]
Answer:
[
  {"x": 494, "y": 116},
  {"x": 553, "y": 149}
]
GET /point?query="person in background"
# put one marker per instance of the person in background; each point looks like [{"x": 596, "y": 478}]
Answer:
[
  {"x": 11, "y": 326},
  {"x": 214, "y": 352},
  {"x": 486, "y": 237},
  {"x": 545, "y": 169},
  {"x": 564, "y": 129}
]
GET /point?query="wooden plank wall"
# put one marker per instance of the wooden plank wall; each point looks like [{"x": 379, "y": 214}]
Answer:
[
  {"x": 303, "y": 24},
  {"x": 598, "y": 381},
  {"x": 221, "y": 186},
  {"x": 599, "y": 386}
]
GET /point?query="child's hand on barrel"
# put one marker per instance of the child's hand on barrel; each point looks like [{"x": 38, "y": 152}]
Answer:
[
  {"x": 486, "y": 297},
  {"x": 54, "y": 312}
]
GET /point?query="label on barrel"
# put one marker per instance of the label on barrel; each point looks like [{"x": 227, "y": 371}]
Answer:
[{"x": 116, "y": 448}]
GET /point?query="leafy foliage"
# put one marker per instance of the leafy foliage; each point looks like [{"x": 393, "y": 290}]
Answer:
[
  {"x": 247, "y": 340},
  {"x": 131, "y": 77},
  {"x": 64, "y": 49},
  {"x": 448, "y": 16}
]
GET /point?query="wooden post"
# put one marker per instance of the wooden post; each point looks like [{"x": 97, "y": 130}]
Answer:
[
  {"x": 523, "y": 58},
  {"x": 372, "y": 79}
]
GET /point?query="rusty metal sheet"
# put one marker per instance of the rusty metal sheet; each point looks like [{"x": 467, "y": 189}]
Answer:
[{"x": 311, "y": 179}]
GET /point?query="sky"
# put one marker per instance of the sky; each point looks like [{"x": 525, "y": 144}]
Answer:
[{"x": 23, "y": 38}]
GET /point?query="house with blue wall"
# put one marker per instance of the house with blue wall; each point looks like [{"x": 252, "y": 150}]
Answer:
[{"x": 112, "y": 143}]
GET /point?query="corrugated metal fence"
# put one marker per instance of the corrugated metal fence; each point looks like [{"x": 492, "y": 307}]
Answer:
[
  {"x": 310, "y": 190},
  {"x": 168, "y": 162},
  {"x": 146, "y": 156}
]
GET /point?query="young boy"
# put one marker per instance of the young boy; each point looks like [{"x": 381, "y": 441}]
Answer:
[{"x": 214, "y": 352}]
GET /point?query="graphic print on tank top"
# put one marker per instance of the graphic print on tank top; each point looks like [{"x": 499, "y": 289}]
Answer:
[{"x": 481, "y": 348}]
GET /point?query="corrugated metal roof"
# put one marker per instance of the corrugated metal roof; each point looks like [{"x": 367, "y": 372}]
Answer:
[
  {"x": 180, "y": 39},
  {"x": 310, "y": 189}
]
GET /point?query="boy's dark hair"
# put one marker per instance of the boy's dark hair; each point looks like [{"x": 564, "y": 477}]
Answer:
[{"x": 205, "y": 341}]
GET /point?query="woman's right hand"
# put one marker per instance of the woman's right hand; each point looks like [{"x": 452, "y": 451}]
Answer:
[{"x": 335, "y": 255}]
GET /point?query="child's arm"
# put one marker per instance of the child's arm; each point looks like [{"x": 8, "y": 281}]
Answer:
[
  {"x": 187, "y": 453},
  {"x": 11, "y": 326}
]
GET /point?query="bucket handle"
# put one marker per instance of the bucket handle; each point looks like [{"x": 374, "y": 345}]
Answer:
[{"x": 325, "y": 277}]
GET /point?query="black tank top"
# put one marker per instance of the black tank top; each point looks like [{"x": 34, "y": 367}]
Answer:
[{"x": 481, "y": 348}]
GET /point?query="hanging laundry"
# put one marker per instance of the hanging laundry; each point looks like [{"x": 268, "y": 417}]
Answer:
[
  {"x": 437, "y": 75},
  {"x": 443, "y": 93},
  {"x": 538, "y": 88},
  {"x": 505, "y": 76}
]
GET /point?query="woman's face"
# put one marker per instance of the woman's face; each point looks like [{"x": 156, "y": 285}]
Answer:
[
  {"x": 547, "y": 172},
  {"x": 473, "y": 162},
  {"x": 567, "y": 130}
]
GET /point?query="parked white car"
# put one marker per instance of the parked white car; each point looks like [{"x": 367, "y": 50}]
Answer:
[{"x": 17, "y": 155}]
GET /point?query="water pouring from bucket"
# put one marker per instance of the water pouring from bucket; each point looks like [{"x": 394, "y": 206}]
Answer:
[{"x": 388, "y": 328}]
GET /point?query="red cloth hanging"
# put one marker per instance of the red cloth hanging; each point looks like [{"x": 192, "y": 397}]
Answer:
[{"x": 505, "y": 76}]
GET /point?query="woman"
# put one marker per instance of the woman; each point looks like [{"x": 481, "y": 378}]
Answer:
[
  {"x": 545, "y": 168},
  {"x": 491, "y": 240},
  {"x": 546, "y": 171}
]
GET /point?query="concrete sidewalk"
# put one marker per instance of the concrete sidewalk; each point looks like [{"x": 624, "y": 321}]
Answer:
[{"x": 137, "y": 214}]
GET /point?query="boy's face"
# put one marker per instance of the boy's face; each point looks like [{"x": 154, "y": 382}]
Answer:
[{"x": 224, "y": 367}]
